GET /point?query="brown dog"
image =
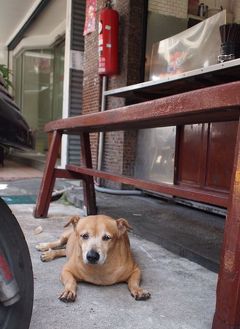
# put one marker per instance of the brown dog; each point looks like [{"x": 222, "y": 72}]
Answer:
[{"x": 98, "y": 252}]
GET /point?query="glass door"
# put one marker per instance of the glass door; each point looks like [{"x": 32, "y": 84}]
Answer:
[
  {"x": 39, "y": 89},
  {"x": 37, "y": 93}
]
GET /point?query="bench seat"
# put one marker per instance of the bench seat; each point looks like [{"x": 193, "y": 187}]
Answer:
[{"x": 219, "y": 103}]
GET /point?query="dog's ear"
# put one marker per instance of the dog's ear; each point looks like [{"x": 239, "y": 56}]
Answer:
[
  {"x": 73, "y": 220},
  {"x": 123, "y": 225}
]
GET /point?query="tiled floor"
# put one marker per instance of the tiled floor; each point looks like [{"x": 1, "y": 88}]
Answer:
[{"x": 13, "y": 171}]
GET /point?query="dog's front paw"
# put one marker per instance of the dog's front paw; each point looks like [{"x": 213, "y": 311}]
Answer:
[
  {"x": 141, "y": 294},
  {"x": 47, "y": 256},
  {"x": 42, "y": 247},
  {"x": 67, "y": 296}
]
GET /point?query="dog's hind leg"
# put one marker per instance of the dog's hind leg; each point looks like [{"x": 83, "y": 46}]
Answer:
[
  {"x": 50, "y": 254},
  {"x": 133, "y": 285},
  {"x": 55, "y": 244}
]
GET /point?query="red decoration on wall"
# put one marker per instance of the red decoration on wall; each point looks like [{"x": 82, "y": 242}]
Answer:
[{"x": 90, "y": 20}]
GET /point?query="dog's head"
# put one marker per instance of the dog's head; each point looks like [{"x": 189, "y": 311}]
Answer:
[{"x": 97, "y": 236}]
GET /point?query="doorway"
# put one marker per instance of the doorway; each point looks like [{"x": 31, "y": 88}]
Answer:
[{"x": 39, "y": 89}]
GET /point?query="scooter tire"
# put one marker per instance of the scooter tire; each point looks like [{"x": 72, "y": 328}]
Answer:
[{"x": 15, "y": 249}]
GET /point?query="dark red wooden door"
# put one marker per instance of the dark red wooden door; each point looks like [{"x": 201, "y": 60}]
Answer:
[{"x": 204, "y": 157}]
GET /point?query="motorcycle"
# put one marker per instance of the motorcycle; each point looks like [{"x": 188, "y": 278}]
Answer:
[{"x": 16, "y": 275}]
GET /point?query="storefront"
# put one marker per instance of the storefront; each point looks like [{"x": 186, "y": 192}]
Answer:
[
  {"x": 199, "y": 156},
  {"x": 36, "y": 55},
  {"x": 46, "y": 55}
]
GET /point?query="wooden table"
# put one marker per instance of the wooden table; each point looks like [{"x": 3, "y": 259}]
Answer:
[{"x": 212, "y": 104}]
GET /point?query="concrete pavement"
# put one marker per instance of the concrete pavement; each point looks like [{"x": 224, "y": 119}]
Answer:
[
  {"x": 183, "y": 292},
  {"x": 188, "y": 232}
]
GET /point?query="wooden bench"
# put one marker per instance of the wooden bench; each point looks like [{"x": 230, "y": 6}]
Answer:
[{"x": 212, "y": 104}]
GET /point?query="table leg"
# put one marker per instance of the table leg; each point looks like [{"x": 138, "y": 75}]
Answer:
[
  {"x": 88, "y": 183},
  {"x": 48, "y": 180},
  {"x": 227, "y": 314}
]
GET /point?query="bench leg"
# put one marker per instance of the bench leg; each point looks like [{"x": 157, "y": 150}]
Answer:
[
  {"x": 88, "y": 183},
  {"x": 48, "y": 180},
  {"x": 227, "y": 314}
]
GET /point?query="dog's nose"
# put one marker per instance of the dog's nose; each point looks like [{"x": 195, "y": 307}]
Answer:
[{"x": 93, "y": 256}]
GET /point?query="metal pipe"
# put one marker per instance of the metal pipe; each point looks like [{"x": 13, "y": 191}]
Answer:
[
  {"x": 97, "y": 184},
  {"x": 117, "y": 192},
  {"x": 101, "y": 134}
]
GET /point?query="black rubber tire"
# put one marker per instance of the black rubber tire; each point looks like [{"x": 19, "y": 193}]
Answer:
[{"x": 14, "y": 246}]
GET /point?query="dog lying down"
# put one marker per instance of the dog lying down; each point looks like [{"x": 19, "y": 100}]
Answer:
[{"x": 98, "y": 252}]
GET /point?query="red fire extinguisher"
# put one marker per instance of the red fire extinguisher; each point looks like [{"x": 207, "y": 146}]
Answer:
[{"x": 108, "y": 40}]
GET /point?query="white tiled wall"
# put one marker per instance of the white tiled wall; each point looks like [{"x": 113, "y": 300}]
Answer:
[
  {"x": 177, "y": 8},
  {"x": 236, "y": 11}
]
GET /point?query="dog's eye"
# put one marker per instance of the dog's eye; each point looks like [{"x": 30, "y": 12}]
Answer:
[
  {"x": 106, "y": 237},
  {"x": 85, "y": 236}
]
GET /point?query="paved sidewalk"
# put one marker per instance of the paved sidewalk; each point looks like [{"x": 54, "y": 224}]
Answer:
[{"x": 183, "y": 293}]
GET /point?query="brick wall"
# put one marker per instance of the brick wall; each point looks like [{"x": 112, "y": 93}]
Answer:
[
  {"x": 118, "y": 146},
  {"x": 119, "y": 155}
]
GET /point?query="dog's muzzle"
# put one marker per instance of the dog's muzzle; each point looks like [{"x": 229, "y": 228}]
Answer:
[{"x": 93, "y": 257}]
